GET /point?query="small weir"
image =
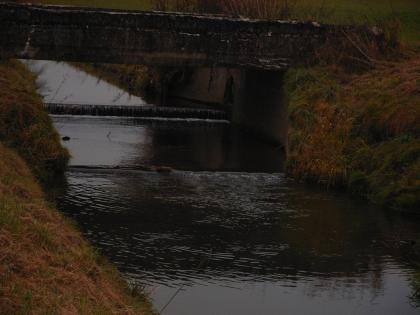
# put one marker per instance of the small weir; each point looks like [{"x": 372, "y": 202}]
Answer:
[{"x": 142, "y": 111}]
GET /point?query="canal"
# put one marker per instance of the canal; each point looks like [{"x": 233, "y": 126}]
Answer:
[{"x": 224, "y": 232}]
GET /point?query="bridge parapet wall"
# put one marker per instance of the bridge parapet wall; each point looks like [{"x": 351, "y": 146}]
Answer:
[{"x": 154, "y": 38}]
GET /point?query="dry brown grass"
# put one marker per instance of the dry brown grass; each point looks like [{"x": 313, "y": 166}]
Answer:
[
  {"x": 45, "y": 265},
  {"x": 387, "y": 99},
  {"x": 361, "y": 48},
  {"x": 318, "y": 149},
  {"x": 176, "y": 5},
  {"x": 262, "y": 9},
  {"x": 359, "y": 130}
]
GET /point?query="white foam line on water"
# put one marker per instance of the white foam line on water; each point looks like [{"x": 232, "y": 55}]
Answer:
[
  {"x": 148, "y": 118},
  {"x": 116, "y": 169}
]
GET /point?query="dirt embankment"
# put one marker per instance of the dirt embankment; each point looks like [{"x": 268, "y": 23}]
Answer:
[{"x": 46, "y": 267}]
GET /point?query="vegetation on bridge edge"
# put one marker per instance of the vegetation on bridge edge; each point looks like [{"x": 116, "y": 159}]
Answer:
[{"x": 46, "y": 267}]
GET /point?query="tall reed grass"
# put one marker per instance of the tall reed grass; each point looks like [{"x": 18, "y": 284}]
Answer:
[{"x": 264, "y": 9}]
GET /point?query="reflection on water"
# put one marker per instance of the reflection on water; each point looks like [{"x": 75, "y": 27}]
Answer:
[
  {"x": 187, "y": 144},
  {"x": 235, "y": 242},
  {"x": 59, "y": 82}
]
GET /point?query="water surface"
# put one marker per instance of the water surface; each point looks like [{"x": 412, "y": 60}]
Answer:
[
  {"x": 243, "y": 243},
  {"x": 226, "y": 229},
  {"x": 232, "y": 241}
]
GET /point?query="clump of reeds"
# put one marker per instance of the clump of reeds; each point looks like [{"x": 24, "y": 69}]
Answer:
[
  {"x": 176, "y": 5},
  {"x": 320, "y": 129},
  {"x": 263, "y": 9},
  {"x": 359, "y": 48}
]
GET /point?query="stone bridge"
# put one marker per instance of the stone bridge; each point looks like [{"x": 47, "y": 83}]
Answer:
[
  {"x": 154, "y": 38},
  {"x": 240, "y": 62}
]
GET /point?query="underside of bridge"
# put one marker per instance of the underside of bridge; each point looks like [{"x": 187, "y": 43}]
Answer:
[
  {"x": 254, "y": 98},
  {"x": 251, "y": 55}
]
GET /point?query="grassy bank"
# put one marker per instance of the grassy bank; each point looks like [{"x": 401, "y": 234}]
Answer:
[
  {"x": 45, "y": 265},
  {"x": 24, "y": 126},
  {"x": 359, "y": 131}
]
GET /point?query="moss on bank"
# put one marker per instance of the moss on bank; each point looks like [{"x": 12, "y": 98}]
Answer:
[
  {"x": 46, "y": 267},
  {"x": 359, "y": 131}
]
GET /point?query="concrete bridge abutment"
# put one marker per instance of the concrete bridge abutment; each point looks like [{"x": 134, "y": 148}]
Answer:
[
  {"x": 255, "y": 98},
  {"x": 260, "y": 105}
]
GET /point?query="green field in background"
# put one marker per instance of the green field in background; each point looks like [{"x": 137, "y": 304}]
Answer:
[{"x": 371, "y": 11}]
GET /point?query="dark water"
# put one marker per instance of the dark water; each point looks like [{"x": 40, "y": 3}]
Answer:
[
  {"x": 227, "y": 229},
  {"x": 240, "y": 243}
]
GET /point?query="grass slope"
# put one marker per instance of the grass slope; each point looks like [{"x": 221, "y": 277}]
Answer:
[
  {"x": 24, "y": 125},
  {"x": 360, "y": 131},
  {"x": 46, "y": 267}
]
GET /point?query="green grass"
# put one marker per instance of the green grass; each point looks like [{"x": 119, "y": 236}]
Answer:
[{"x": 370, "y": 11}]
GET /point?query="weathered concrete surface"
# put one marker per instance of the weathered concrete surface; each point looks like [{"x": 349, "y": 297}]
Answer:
[
  {"x": 255, "y": 98},
  {"x": 154, "y": 38},
  {"x": 211, "y": 87},
  {"x": 260, "y": 105}
]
